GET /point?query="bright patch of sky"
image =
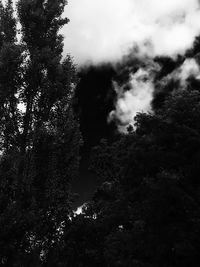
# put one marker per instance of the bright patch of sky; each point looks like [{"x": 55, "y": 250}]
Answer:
[{"x": 105, "y": 30}]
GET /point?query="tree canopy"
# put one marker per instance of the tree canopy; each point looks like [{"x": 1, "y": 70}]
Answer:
[
  {"x": 39, "y": 136},
  {"x": 146, "y": 211}
]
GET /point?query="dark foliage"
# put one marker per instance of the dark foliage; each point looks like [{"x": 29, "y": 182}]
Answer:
[
  {"x": 94, "y": 101},
  {"x": 39, "y": 137},
  {"x": 146, "y": 213}
]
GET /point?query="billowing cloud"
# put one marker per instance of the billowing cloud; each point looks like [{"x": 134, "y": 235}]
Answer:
[
  {"x": 104, "y": 30},
  {"x": 137, "y": 99},
  {"x": 189, "y": 68},
  {"x": 142, "y": 85}
]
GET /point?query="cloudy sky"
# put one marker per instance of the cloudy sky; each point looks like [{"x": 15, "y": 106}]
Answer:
[
  {"x": 102, "y": 31},
  {"x": 105, "y": 30}
]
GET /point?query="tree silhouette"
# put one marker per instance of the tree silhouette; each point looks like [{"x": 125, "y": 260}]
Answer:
[{"x": 39, "y": 136}]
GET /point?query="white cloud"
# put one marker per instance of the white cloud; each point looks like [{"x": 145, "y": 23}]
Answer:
[
  {"x": 104, "y": 30},
  {"x": 187, "y": 69},
  {"x": 137, "y": 99},
  {"x": 140, "y": 95}
]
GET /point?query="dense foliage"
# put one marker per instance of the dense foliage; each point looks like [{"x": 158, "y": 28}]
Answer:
[
  {"x": 39, "y": 137},
  {"x": 146, "y": 213}
]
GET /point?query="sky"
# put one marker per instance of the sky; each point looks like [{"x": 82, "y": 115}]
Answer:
[
  {"x": 142, "y": 86},
  {"x": 102, "y": 31},
  {"x": 106, "y": 30}
]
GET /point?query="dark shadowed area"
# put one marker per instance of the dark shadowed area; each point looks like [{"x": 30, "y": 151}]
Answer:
[
  {"x": 94, "y": 100},
  {"x": 100, "y": 162}
]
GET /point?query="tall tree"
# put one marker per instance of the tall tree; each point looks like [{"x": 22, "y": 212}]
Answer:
[{"x": 39, "y": 137}]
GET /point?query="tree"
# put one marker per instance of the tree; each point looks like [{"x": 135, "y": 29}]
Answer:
[
  {"x": 40, "y": 138},
  {"x": 149, "y": 206}
]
